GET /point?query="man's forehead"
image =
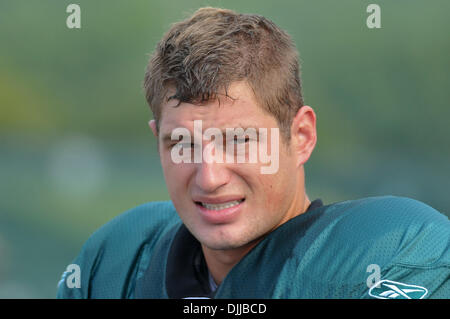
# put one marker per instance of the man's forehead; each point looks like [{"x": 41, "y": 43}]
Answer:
[
  {"x": 238, "y": 91},
  {"x": 198, "y": 124},
  {"x": 173, "y": 105},
  {"x": 236, "y": 109}
]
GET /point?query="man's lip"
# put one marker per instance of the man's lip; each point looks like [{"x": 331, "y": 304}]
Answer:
[
  {"x": 217, "y": 200},
  {"x": 222, "y": 216}
]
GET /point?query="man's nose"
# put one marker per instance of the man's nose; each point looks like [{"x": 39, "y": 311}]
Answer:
[{"x": 211, "y": 175}]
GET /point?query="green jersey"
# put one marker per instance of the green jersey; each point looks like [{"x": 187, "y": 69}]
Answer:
[{"x": 377, "y": 247}]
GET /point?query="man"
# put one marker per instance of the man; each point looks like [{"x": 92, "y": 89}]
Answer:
[{"x": 224, "y": 87}]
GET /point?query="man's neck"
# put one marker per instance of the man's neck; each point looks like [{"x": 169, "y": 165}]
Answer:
[{"x": 220, "y": 262}]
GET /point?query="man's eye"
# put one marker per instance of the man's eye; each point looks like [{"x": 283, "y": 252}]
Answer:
[
  {"x": 183, "y": 145},
  {"x": 241, "y": 140}
]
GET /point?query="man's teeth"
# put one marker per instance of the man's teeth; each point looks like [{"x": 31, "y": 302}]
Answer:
[{"x": 221, "y": 206}]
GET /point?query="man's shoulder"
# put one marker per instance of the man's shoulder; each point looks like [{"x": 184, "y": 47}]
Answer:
[
  {"x": 378, "y": 215},
  {"x": 130, "y": 231},
  {"x": 384, "y": 229},
  {"x": 391, "y": 222},
  {"x": 406, "y": 239},
  {"x": 390, "y": 210},
  {"x": 138, "y": 223},
  {"x": 334, "y": 247},
  {"x": 110, "y": 258}
]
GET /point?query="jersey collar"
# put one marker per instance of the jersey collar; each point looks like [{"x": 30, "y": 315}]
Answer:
[{"x": 186, "y": 271}]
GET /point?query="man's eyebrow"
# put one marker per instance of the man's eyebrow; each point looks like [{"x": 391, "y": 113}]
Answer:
[
  {"x": 244, "y": 128},
  {"x": 166, "y": 138}
]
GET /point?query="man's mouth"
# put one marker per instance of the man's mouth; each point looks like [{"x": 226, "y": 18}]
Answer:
[
  {"x": 221, "y": 206},
  {"x": 219, "y": 210}
]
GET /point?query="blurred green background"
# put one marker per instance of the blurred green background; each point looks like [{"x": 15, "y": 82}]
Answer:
[{"x": 75, "y": 148}]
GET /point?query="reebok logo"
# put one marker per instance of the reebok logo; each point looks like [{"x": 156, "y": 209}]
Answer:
[{"x": 387, "y": 289}]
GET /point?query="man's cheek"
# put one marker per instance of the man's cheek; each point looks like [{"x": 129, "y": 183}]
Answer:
[
  {"x": 274, "y": 192},
  {"x": 178, "y": 178}
]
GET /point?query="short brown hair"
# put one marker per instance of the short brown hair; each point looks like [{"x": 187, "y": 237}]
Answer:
[{"x": 201, "y": 56}]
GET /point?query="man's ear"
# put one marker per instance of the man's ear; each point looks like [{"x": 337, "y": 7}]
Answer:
[
  {"x": 303, "y": 133},
  {"x": 152, "y": 125}
]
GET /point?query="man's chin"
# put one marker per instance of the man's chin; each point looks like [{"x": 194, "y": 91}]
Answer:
[
  {"x": 231, "y": 236},
  {"x": 227, "y": 242},
  {"x": 220, "y": 244}
]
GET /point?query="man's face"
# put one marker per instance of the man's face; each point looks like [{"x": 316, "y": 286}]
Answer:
[{"x": 228, "y": 205}]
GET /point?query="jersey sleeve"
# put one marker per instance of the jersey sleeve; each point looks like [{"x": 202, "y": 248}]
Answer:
[
  {"x": 380, "y": 247},
  {"x": 108, "y": 263},
  {"x": 75, "y": 279},
  {"x": 420, "y": 266}
]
